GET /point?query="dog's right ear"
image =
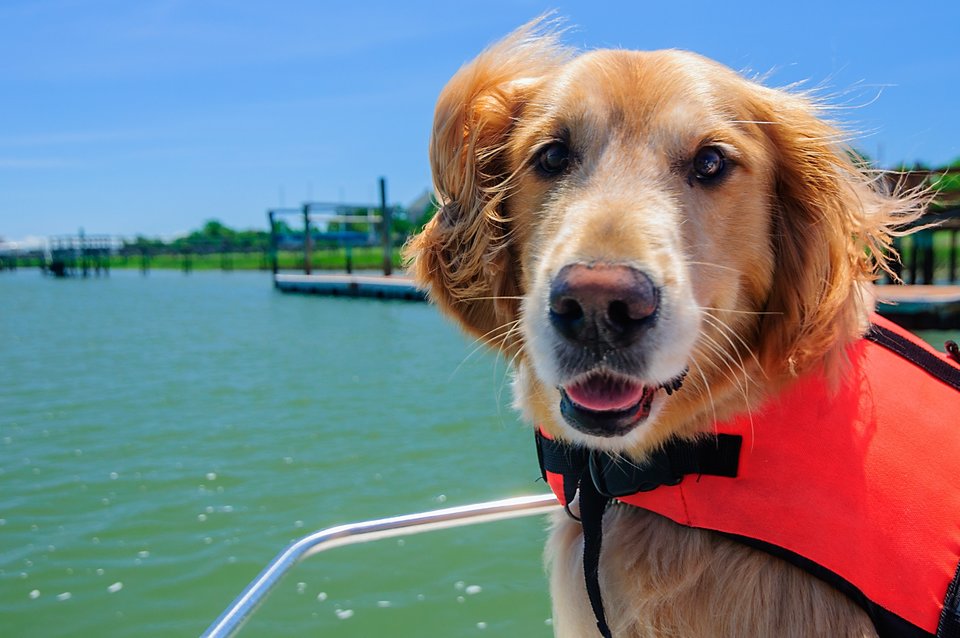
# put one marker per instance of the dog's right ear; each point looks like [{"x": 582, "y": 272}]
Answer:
[{"x": 464, "y": 253}]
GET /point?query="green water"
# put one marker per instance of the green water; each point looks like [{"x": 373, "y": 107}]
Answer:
[{"x": 163, "y": 437}]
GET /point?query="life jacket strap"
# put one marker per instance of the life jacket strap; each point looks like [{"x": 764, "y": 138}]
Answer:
[
  {"x": 917, "y": 355},
  {"x": 592, "y": 506},
  {"x": 609, "y": 477},
  {"x": 949, "y": 626},
  {"x": 617, "y": 477}
]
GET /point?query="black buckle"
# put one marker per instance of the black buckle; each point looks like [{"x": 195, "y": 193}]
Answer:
[
  {"x": 952, "y": 349},
  {"x": 618, "y": 478}
]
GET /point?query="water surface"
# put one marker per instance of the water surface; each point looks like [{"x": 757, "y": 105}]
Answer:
[{"x": 163, "y": 437}]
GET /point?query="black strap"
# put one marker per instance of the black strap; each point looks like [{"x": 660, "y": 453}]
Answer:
[
  {"x": 887, "y": 623},
  {"x": 915, "y": 353},
  {"x": 566, "y": 460},
  {"x": 949, "y": 626},
  {"x": 717, "y": 455},
  {"x": 592, "y": 506},
  {"x": 613, "y": 477}
]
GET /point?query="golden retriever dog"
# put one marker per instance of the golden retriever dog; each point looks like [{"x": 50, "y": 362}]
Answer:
[{"x": 621, "y": 223}]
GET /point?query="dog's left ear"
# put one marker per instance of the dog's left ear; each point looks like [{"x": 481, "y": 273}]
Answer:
[
  {"x": 830, "y": 231},
  {"x": 464, "y": 254}
]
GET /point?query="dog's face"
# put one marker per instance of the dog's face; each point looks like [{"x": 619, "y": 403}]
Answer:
[
  {"x": 644, "y": 205},
  {"x": 650, "y": 236}
]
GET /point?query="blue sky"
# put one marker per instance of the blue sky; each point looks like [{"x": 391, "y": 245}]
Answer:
[{"x": 150, "y": 117}]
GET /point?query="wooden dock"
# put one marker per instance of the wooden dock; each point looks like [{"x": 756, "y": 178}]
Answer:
[
  {"x": 921, "y": 307},
  {"x": 341, "y": 285},
  {"x": 913, "y": 307}
]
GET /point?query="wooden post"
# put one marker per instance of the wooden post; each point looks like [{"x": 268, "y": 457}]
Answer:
[
  {"x": 273, "y": 243},
  {"x": 928, "y": 257},
  {"x": 82, "y": 247},
  {"x": 307, "y": 239},
  {"x": 385, "y": 219},
  {"x": 953, "y": 256},
  {"x": 913, "y": 259}
]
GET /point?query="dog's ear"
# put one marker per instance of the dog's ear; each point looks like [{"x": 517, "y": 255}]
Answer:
[
  {"x": 464, "y": 254},
  {"x": 830, "y": 232}
]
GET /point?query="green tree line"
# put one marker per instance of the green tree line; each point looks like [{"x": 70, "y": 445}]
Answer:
[{"x": 215, "y": 236}]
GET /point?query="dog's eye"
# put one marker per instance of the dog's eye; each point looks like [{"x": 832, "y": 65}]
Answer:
[
  {"x": 708, "y": 164},
  {"x": 554, "y": 159}
]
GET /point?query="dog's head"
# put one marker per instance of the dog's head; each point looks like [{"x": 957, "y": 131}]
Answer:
[{"x": 624, "y": 223}]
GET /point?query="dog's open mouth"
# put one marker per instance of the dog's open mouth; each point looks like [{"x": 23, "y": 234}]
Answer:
[{"x": 608, "y": 404}]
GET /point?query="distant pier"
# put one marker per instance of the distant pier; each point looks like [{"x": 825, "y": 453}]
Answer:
[
  {"x": 79, "y": 255},
  {"x": 346, "y": 226}
]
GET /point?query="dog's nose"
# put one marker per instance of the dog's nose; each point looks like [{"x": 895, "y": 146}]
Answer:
[{"x": 608, "y": 303}]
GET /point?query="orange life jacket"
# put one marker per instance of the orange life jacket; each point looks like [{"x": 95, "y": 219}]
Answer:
[{"x": 860, "y": 486}]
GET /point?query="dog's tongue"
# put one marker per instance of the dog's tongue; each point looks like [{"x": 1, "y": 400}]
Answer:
[{"x": 602, "y": 393}]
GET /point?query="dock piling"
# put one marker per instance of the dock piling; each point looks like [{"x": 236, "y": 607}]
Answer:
[{"x": 386, "y": 221}]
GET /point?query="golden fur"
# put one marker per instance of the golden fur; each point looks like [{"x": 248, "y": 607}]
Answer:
[{"x": 763, "y": 277}]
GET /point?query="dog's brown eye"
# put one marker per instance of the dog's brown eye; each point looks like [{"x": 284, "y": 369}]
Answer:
[
  {"x": 554, "y": 159},
  {"x": 708, "y": 163}
]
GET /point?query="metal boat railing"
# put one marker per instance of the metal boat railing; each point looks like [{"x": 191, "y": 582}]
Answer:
[{"x": 231, "y": 620}]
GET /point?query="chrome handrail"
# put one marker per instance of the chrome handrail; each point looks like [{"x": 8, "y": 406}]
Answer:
[{"x": 232, "y": 619}]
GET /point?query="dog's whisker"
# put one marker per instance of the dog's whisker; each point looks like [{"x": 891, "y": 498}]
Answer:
[
  {"x": 511, "y": 363},
  {"x": 716, "y": 360},
  {"x": 506, "y": 375},
  {"x": 491, "y": 336},
  {"x": 502, "y": 351},
  {"x": 727, "y": 331},
  {"x": 712, "y": 265},
  {"x": 486, "y": 340},
  {"x": 729, "y": 359},
  {"x": 747, "y": 379},
  {"x": 706, "y": 387},
  {"x": 725, "y": 367},
  {"x": 740, "y": 312},
  {"x": 726, "y": 357},
  {"x": 747, "y": 405}
]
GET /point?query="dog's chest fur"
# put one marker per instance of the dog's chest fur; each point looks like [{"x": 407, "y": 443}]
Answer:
[{"x": 660, "y": 579}]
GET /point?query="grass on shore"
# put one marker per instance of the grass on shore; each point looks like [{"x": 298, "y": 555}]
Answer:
[
  {"x": 371, "y": 258},
  {"x": 363, "y": 258}
]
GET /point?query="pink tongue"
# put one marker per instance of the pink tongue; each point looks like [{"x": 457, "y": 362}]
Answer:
[{"x": 604, "y": 394}]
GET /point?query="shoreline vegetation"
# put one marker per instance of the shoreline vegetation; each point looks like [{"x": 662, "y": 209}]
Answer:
[
  {"x": 329, "y": 259},
  {"x": 945, "y": 251},
  {"x": 346, "y": 241}
]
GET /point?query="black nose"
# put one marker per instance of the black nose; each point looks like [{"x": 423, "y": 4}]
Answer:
[{"x": 602, "y": 303}]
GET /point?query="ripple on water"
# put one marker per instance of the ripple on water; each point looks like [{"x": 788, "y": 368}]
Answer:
[{"x": 133, "y": 392}]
